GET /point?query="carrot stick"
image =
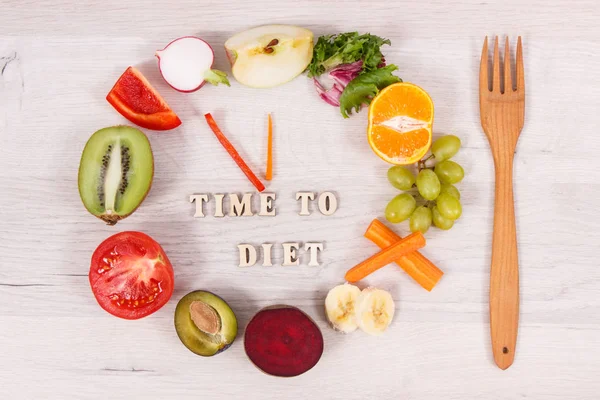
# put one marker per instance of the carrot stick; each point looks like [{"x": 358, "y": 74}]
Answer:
[
  {"x": 402, "y": 247},
  {"x": 233, "y": 153},
  {"x": 269, "y": 174},
  {"x": 415, "y": 264}
]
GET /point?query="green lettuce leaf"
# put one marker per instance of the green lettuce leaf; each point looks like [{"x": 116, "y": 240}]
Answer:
[
  {"x": 344, "y": 48},
  {"x": 363, "y": 88}
]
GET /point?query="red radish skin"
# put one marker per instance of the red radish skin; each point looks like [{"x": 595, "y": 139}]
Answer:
[
  {"x": 173, "y": 41},
  {"x": 186, "y": 64},
  {"x": 283, "y": 341}
]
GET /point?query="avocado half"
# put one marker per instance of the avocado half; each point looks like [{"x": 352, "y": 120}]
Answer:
[{"x": 205, "y": 323}]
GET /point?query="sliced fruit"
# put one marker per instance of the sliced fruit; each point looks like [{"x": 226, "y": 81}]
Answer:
[
  {"x": 339, "y": 306},
  {"x": 269, "y": 55},
  {"x": 186, "y": 64},
  {"x": 115, "y": 172},
  {"x": 205, "y": 323},
  {"x": 135, "y": 99},
  {"x": 374, "y": 310},
  {"x": 400, "y": 123},
  {"x": 283, "y": 341},
  {"x": 130, "y": 275}
]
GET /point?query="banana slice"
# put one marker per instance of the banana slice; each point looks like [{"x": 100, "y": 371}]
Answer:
[
  {"x": 374, "y": 310},
  {"x": 340, "y": 305}
]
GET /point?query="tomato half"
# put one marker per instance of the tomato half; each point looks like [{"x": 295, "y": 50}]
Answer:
[{"x": 130, "y": 275}]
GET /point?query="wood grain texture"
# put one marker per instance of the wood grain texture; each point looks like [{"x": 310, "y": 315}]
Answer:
[
  {"x": 502, "y": 113},
  {"x": 59, "y": 59}
]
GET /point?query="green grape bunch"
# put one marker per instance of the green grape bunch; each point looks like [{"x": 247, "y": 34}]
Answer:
[{"x": 430, "y": 197}]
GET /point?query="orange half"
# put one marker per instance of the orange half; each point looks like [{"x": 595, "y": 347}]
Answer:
[{"x": 400, "y": 121}]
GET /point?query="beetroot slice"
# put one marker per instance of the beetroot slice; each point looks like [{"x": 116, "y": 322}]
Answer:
[{"x": 283, "y": 341}]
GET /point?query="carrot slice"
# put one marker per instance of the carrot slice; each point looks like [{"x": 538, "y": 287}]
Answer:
[
  {"x": 233, "y": 153},
  {"x": 414, "y": 264},
  {"x": 402, "y": 247},
  {"x": 269, "y": 174}
]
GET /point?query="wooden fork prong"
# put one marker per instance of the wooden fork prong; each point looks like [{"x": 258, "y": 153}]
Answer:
[
  {"x": 508, "y": 86},
  {"x": 484, "y": 83},
  {"x": 519, "y": 70},
  {"x": 496, "y": 72}
]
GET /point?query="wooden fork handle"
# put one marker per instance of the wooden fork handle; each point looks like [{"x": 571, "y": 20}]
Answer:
[{"x": 504, "y": 282}]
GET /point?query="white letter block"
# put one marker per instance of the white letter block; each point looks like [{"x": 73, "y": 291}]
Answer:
[
  {"x": 305, "y": 196},
  {"x": 243, "y": 207},
  {"x": 314, "y": 249},
  {"x": 199, "y": 199},
  {"x": 267, "y": 254},
  {"x": 327, "y": 203},
  {"x": 247, "y": 255},
  {"x": 290, "y": 256},
  {"x": 267, "y": 209},
  {"x": 219, "y": 205}
]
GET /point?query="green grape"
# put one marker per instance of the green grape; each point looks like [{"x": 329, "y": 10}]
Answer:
[
  {"x": 400, "y": 208},
  {"x": 449, "y": 172},
  {"x": 420, "y": 220},
  {"x": 449, "y": 206},
  {"x": 445, "y": 147},
  {"x": 450, "y": 189},
  {"x": 401, "y": 177},
  {"x": 440, "y": 221},
  {"x": 428, "y": 184}
]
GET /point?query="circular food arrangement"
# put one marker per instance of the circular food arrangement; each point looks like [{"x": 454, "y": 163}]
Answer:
[{"x": 130, "y": 275}]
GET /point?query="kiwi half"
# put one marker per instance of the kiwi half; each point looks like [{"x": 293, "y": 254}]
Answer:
[{"x": 115, "y": 172}]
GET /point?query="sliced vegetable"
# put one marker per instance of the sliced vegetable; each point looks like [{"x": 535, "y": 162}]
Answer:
[
  {"x": 416, "y": 265},
  {"x": 134, "y": 98},
  {"x": 233, "y": 153},
  {"x": 283, "y": 341},
  {"x": 269, "y": 173},
  {"x": 411, "y": 243},
  {"x": 130, "y": 275},
  {"x": 186, "y": 64}
]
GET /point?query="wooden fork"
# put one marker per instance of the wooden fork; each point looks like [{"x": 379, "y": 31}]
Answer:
[{"x": 502, "y": 113}]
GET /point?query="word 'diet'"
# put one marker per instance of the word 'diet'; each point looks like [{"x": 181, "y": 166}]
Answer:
[{"x": 249, "y": 254}]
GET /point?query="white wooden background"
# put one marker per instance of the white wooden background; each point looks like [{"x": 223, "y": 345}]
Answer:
[{"x": 58, "y": 59}]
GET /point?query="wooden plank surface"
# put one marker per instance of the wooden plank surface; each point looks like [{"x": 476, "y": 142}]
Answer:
[{"x": 59, "y": 59}]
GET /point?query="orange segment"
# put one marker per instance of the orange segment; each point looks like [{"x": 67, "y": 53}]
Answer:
[{"x": 400, "y": 121}]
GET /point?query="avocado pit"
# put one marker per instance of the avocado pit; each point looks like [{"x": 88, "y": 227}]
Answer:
[{"x": 205, "y": 317}]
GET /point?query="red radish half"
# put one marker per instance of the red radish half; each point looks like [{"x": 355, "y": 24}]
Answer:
[
  {"x": 186, "y": 64},
  {"x": 283, "y": 341}
]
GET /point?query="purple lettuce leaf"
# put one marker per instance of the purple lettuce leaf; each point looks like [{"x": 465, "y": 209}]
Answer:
[{"x": 341, "y": 77}]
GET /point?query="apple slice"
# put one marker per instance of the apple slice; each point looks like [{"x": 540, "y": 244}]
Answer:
[
  {"x": 269, "y": 55},
  {"x": 186, "y": 64}
]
